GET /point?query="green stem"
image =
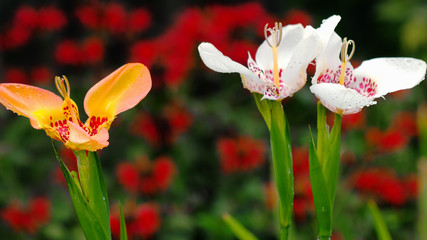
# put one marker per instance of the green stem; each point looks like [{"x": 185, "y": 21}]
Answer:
[
  {"x": 282, "y": 162},
  {"x": 284, "y": 233},
  {"x": 322, "y": 131},
  {"x": 83, "y": 167}
]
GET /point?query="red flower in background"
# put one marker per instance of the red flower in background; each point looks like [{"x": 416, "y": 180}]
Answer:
[
  {"x": 92, "y": 50},
  {"x": 142, "y": 221},
  {"x": 139, "y": 20},
  {"x": 26, "y": 16},
  {"x": 145, "y": 126},
  {"x": 405, "y": 122},
  {"x": 15, "y": 75},
  {"x": 89, "y": 16},
  {"x": 384, "y": 184},
  {"x": 147, "y": 221},
  {"x": 128, "y": 176},
  {"x": 146, "y": 177},
  {"x": 240, "y": 154},
  {"x": 353, "y": 121},
  {"x": 27, "y": 218},
  {"x": 179, "y": 120},
  {"x": 393, "y": 140},
  {"x": 144, "y": 51},
  {"x": 173, "y": 122},
  {"x": 41, "y": 75},
  {"x": 114, "y": 18},
  {"x": 51, "y": 19},
  {"x": 68, "y": 52},
  {"x": 16, "y": 36}
]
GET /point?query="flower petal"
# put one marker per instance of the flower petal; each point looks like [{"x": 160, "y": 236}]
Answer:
[
  {"x": 295, "y": 74},
  {"x": 392, "y": 74},
  {"x": 340, "y": 99},
  {"x": 255, "y": 83},
  {"x": 215, "y": 60},
  {"x": 118, "y": 92},
  {"x": 327, "y": 28},
  {"x": 328, "y": 58},
  {"x": 32, "y": 102},
  {"x": 291, "y": 36},
  {"x": 79, "y": 139}
]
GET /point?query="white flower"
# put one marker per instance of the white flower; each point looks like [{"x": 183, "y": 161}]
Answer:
[
  {"x": 349, "y": 92},
  {"x": 281, "y": 61}
]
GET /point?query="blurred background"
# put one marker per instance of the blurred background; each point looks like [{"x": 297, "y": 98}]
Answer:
[{"x": 196, "y": 146}]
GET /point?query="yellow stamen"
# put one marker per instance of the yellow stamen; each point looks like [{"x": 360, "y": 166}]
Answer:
[
  {"x": 63, "y": 86},
  {"x": 345, "y": 58},
  {"x": 276, "y": 34}
]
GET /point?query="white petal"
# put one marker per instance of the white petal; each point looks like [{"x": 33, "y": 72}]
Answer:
[
  {"x": 254, "y": 84},
  {"x": 340, "y": 99},
  {"x": 392, "y": 74},
  {"x": 327, "y": 28},
  {"x": 328, "y": 57},
  {"x": 291, "y": 35},
  {"x": 215, "y": 60},
  {"x": 304, "y": 52}
]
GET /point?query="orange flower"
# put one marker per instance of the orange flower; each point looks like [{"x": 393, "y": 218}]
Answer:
[{"x": 118, "y": 92}]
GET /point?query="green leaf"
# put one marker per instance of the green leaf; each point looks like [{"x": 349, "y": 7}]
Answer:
[
  {"x": 322, "y": 133},
  {"x": 123, "y": 232},
  {"x": 380, "y": 226},
  {"x": 322, "y": 203},
  {"x": 238, "y": 229},
  {"x": 331, "y": 163},
  {"x": 92, "y": 227},
  {"x": 263, "y": 108},
  {"x": 282, "y": 162},
  {"x": 98, "y": 198}
]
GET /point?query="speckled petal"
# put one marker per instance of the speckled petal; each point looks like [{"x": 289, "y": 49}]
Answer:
[
  {"x": 79, "y": 139},
  {"x": 340, "y": 99},
  {"x": 392, "y": 74}
]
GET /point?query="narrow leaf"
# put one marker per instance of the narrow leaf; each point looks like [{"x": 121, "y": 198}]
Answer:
[
  {"x": 322, "y": 133},
  {"x": 331, "y": 164},
  {"x": 238, "y": 229},
  {"x": 91, "y": 227},
  {"x": 321, "y": 200},
  {"x": 380, "y": 226},
  {"x": 263, "y": 108},
  {"x": 98, "y": 198},
  {"x": 123, "y": 232},
  {"x": 282, "y": 162}
]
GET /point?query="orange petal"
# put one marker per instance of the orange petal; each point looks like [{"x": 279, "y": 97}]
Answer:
[
  {"x": 118, "y": 92},
  {"x": 32, "y": 102},
  {"x": 79, "y": 139}
]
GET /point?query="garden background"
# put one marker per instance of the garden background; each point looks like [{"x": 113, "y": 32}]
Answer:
[{"x": 196, "y": 146}]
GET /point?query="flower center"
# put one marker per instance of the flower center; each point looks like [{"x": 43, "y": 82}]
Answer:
[
  {"x": 345, "y": 57},
  {"x": 276, "y": 35}
]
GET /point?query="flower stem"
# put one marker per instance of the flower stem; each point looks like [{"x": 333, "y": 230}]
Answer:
[
  {"x": 83, "y": 168},
  {"x": 282, "y": 162}
]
